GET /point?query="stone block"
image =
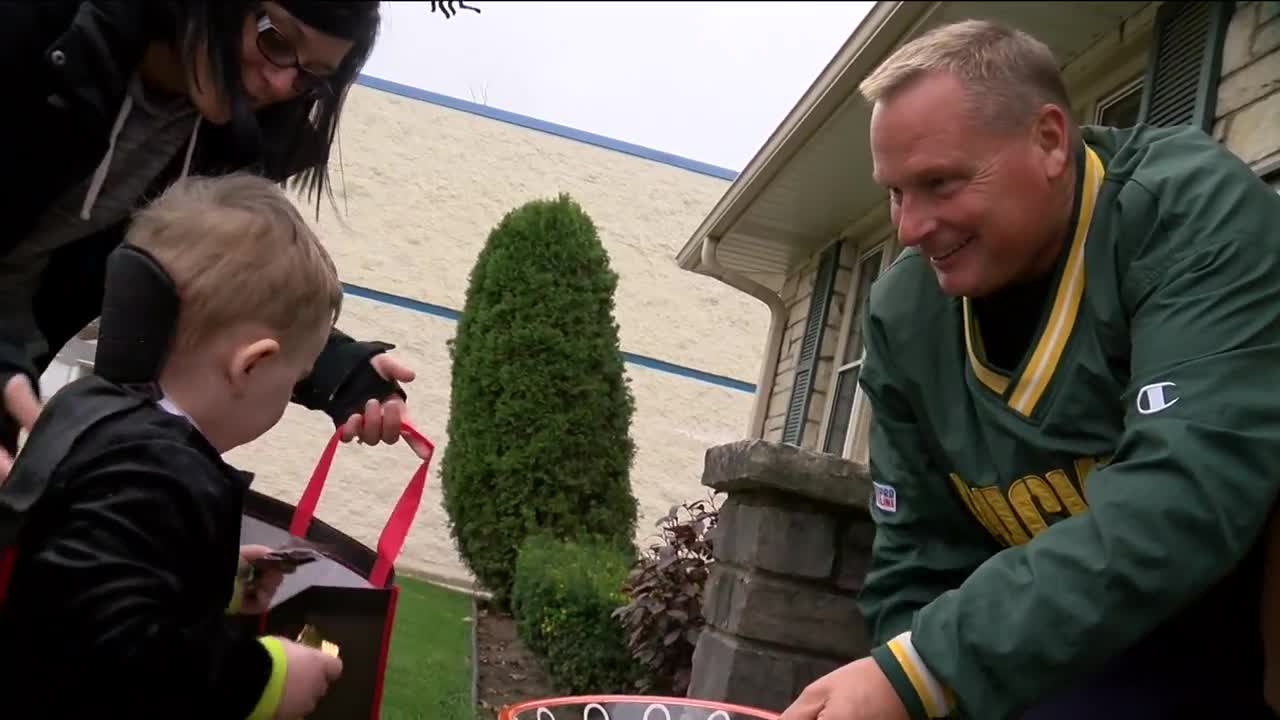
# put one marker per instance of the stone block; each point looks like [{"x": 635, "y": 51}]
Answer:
[
  {"x": 748, "y": 465},
  {"x": 1252, "y": 134},
  {"x": 795, "y": 541},
  {"x": 800, "y": 616},
  {"x": 733, "y": 670},
  {"x": 855, "y": 554}
]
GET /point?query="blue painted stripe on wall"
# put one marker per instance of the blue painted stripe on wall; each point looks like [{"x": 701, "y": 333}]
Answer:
[
  {"x": 547, "y": 127},
  {"x": 642, "y": 360},
  {"x": 401, "y": 301}
]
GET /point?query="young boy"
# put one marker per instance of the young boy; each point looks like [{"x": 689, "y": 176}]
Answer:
[{"x": 127, "y": 539}]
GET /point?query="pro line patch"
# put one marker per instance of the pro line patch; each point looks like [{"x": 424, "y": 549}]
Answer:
[{"x": 886, "y": 497}]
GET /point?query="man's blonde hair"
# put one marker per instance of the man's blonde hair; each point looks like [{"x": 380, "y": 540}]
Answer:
[
  {"x": 239, "y": 251},
  {"x": 1008, "y": 74}
]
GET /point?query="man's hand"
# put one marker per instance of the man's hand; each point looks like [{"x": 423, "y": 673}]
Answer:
[
  {"x": 857, "y": 691},
  {"x": 22, "y": 404},
  {"x": 307, "y": 679},
  {"x": 381, "y": 420},
  {"x": 258, "y": 592}
]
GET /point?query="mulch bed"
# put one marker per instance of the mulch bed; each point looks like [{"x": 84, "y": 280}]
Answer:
[{"x": 507, "y": 673}]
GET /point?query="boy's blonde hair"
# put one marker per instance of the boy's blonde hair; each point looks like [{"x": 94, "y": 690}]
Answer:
[
  {"x": 238, "y": 251},
  {"x": 1008, "y": 74}
]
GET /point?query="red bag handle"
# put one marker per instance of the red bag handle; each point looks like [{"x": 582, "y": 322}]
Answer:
[{"x": 393, "y": 533}]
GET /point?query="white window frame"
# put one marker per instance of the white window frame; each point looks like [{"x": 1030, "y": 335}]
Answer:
[
  {"x": 1105, "y": 102},
  {"x": 886, "y": 247}
]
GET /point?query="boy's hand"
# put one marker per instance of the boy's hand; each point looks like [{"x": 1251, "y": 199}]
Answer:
[
  {"x": 310, "y": 672},
  {"x": 258, "y": 592}
]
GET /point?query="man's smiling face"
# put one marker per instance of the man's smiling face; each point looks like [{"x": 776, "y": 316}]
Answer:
[{"x": 984, "y": 205}]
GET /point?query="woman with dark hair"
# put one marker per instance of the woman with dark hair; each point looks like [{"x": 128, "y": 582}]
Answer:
[{"x": 110, "y": 102}]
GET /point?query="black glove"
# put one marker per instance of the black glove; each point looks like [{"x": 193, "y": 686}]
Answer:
[{"x": 343, "y": 379}]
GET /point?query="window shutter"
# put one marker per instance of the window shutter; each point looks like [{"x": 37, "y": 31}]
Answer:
[
  {"x": 1181, "y": 86},
  {"x": 814, "y": 328}
]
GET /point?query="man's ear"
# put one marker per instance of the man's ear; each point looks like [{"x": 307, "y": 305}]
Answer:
[
  {"x": 1051, "y": 134},
  {"x": 248, "y": 358}
]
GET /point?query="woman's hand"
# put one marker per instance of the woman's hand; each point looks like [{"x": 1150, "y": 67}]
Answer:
[{"x": 381, "y": 420}]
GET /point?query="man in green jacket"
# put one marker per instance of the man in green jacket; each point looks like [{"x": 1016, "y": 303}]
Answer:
[{"x": 1074, "y": 375}]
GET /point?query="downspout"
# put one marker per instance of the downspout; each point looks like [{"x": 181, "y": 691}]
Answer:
[{"x": 777, "y": 326}]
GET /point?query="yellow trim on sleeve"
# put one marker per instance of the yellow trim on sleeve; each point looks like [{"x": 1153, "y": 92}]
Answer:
[
  {"x": 936, "y": 699},
  {"x": 274, "y": 691}
]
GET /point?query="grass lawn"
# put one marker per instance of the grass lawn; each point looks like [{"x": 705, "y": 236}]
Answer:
[{"x": 429, "y": 670}]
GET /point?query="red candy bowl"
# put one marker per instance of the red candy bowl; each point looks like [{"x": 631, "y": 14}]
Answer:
[{"x": 630, "y": 707}]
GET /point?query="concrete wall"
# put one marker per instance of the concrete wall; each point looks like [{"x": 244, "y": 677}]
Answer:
[{"x": 424, "y": 185}]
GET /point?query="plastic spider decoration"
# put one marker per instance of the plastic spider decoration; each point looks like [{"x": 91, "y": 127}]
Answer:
[{"x": 451, "y": 8}]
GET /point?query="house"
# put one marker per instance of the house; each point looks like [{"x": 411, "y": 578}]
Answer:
[
  {"x": 805, "y": 231},
  {"x": 422, "y": 180}
]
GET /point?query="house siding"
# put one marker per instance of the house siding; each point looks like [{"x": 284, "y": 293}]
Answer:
[
  {"x": 795, "y": 293},
  {"x": 1248, "y": 111}
]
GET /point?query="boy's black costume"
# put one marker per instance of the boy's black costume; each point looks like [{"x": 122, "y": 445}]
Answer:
[{"x": 123, "y": 526}]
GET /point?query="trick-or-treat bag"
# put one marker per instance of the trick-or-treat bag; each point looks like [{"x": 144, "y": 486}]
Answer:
[{"x": 342, "y": 598}]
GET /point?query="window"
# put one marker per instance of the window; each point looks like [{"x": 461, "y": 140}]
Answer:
[
  {"x": 845, "y": 397},
  {"x": 1181, "y": 83},
  {"x": 1120, "y": 109}
]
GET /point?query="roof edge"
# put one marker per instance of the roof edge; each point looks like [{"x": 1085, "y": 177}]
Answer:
[{"x": 825, "y": 96}]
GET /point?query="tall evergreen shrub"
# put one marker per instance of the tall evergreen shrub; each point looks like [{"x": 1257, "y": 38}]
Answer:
[{"x": 540, "y": 413}]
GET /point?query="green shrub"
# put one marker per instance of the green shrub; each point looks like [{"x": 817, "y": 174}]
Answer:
[
  {"x": 540, "y": 410},
  {"x": 563, "y": 600}
]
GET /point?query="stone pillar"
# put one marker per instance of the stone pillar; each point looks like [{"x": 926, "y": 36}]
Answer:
[{"x": 791, "y": 550}]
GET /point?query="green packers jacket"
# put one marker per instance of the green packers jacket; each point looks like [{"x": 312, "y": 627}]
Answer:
[{"x": 1038, "y": 524}]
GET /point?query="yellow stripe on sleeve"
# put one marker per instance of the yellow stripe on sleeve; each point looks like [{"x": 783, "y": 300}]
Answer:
[{"x": 937, "y": 700}]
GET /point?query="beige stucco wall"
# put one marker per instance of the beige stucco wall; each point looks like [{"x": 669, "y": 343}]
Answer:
[
  {"x": 424, "y": 186},
  {"x": 1248, "y": 121}
]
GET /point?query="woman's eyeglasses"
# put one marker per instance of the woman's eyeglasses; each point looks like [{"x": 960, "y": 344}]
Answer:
[{"x": 279, "y": 51}]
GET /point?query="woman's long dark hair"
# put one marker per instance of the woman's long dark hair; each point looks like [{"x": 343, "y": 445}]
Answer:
[{"x": 302, "y": 130}]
